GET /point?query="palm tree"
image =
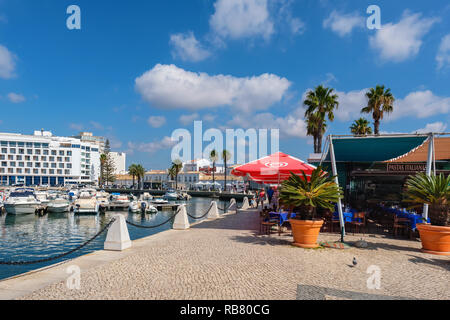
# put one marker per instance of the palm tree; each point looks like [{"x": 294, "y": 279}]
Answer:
[
  {"x": 361, "y": 127},
  {"x": 312, "y": 127},
  {"x": 140, "y": 173},
  {"x": 213, "y": 156},
  {"x": 226, "y": 156},
  {"x": 177, "y": 165},
  {"x": 320, "y": 191},
  {"x": 433, "y": 191},
  {"x": 321, "y": 103},
  {"x": 380, "y": 100},
  {"x": 132, "y": 171}
]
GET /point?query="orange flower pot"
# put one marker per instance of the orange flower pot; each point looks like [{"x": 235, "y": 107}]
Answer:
[
  {"x": 435, "y": 239},
  {"x": 305, "y": 232}
]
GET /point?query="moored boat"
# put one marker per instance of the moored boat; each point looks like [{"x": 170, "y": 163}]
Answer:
[{"x": 21, "y": 201}]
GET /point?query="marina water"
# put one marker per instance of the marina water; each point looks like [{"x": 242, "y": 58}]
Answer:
[{"x": 29, "y": 237}]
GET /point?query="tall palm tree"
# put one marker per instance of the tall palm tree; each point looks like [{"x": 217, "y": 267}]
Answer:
[
  {"x": 214, "y": 156},
  {"x": 361, "y": 127},
  {"x": 132, "y": 171},
  {"x": 140, "y": 173},
  {"x": 226, "y": 156},
  {"x": 177, "y": 165},
  {"x": 321, "y": 103},
  {"x": 312, "y": 127},
  {"x": 380, "y": 101}
]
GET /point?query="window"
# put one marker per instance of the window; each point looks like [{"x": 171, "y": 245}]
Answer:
[
  {"x": 18, "y": 170},
  {"x": 76, "y": 146},
  {"x": 51, "y": 158},
  {"x": 21, "y": 164},
  {"x": 29, "y": 144},
  {"x": 29, "y": 164},
  {"x": 67, "y": 172},
  {"x": 53, "y": 152},
  {"x": 12, "y": 164},
  {"x": 21, "y": 144},
  {"x": 53, "y": 165},
  {"x": 12, "y": 150},
  {"x": 29, "y": 151},
  {"x": 21, "y": 151},
  {"x": 18, "y": 157},
  {"x": 37, "y": 165},
  {"x": 45, "y": 145},
  {"x": 51, "y": 171},
  {"x": 27, "y": 158},
  {"x": 69, "y": 165},
  {"x": 59, "y": 159},
  {"x": 4, "y": 150},
  {"x": 12, "y": 144},
  {"x": 35, "y": 158},
  {"x": 10, "y": 157},
  {"x": 2, "y": 157},
  {"x": 45, "y": 152},
  {"x": 27, "y": 171},
  {"x": 69, "y": 153},
  {"x": 61, "y": 165},
  {"x": 37, "y": 145},
  {"x": 43, "y": 158},
  {"x": 61, "y": 152},
  {"x": 36, "y": 171},
  {"x": 44, "y": 171},
  {"x": 37, "y": 151},
  {"x": 10, "y": 170},
  {"x": 4, "y": 143},
  {"x": 4, "y": 164},
  {"x": 59, "y": 171},
  {"x": 45, "y": 164}
]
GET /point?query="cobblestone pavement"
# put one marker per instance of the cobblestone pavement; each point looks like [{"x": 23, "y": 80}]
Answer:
[{"x": 227, "y": 259}]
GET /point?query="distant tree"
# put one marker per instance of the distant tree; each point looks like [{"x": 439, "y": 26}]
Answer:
[
  {"x": 226, "y": 156},
  {"x": 107, "y": 165},
  {"x": 214, "y": 156},
  {"x": 361, "y": 127},
  {"x": 176, "y": 167},
  {"x": 132, "y": 171},
  {"x": 312, "y": 129},
  {"x": 140, "y": 173},
  {"x": 380, "y": 101}
]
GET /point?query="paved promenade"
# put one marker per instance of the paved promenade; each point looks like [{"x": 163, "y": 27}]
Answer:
[{"x": 226, "y": 259}]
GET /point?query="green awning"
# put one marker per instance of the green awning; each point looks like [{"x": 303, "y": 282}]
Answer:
[{"x": 373, "y": 149}]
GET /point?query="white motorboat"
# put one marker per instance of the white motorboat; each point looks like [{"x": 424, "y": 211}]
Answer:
[
  {"x": 120, "y": 202},
  {"x": 58, "y": 205},
  {"x": 146, "y": 207},
  {"x": 146, "y": 196},
  {"x": 160, "y": 201},
  {"x": 42, "y": 197},
  {"x": 21, "y": 201},
  {"x": 103, "y": 200},
  {"x": 171, "y": 195},
  {"x": 86, "y": 204},
  {"x": 134, "y": 205}
]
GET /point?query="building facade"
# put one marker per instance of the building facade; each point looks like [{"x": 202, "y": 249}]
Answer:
[
  {"x": 119, "y": 159},
  {"x": 44, "y": 159}
]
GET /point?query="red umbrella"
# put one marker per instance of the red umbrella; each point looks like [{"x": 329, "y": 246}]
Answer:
[{"x": 274, "y": 168}]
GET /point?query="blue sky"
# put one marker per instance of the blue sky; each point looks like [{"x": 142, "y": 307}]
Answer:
[{"x": 137, "y": 70}]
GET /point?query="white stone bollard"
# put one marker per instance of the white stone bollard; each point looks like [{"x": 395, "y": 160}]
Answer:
[
  {"x": 118, "y": 238},
  {"x": 232, "y": 208},
  {"x": 213, "y": 211},
  {"x": 181, "y": 221},
  {"x": 245, "y": 204}
]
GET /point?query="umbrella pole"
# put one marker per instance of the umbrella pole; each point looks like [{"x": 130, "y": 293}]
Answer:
[{"x": 333, "y": 165}]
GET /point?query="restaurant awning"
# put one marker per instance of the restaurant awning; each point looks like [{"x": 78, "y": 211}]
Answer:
[{"x": 373, "y": 149}]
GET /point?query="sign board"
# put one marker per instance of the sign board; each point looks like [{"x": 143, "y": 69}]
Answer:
[{"x": 406, "y": 167}]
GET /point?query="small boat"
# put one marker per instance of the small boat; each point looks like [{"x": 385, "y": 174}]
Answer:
[
  {"x": 86, "y": 204},
  {"x": 146, "y": 196},
  {"x": 119, "y": 201},
  {"x": 42, "y": 197},
  {"x": 103, "y": 200},
  {"x": 134, "y": 206},
  {"x": 160, "y": 201},
  {"x": 184, "y": 196},
  {"x": 146, "y": 207},
  {"x": 21, "y": 201},
  {"x": 58, "y": 205},
  {"x": 171, "y": 195}
]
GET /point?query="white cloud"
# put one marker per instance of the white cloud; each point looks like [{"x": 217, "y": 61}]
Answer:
[
  {"x": 400, "y": 41},
  {"x": 350, "y": 104},
  {"x": 76, "y": 126},
  {"x": 343, "y": 23},
  {"x": 188, "y": 118},
  {"x": 97, "y": 125},
  {"x": 152, "y": 147},
  {"x": 7, "y": 63},
  {"x": 167, "y": 86},
  {"x": 421, "y": 104},
  {"x": 156, "y": 121},
  {"x": 187, "y": 47},
  {"x": 443, "y": 55},
  {"x": 16, "y": 97},
  {"x": 436, "y": 127},
  {"x": 237, "y": 19}
]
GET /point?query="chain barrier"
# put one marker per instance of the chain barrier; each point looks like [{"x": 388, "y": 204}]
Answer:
[
  {"x": 198, "y": 218},
  {"x": 151, "y": 227},
  {"x": 62, "y": 254}
]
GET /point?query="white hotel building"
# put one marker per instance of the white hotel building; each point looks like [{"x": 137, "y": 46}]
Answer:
[{"x": 44, "y": 159}]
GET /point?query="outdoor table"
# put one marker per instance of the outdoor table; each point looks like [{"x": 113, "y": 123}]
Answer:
[{"x": 281, "y": 216}]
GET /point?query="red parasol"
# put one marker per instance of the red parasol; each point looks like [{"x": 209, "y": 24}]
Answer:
[{"x": 273, "y": 169}]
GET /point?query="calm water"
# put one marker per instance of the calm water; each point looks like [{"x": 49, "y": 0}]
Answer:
[{"x": 28, "y": 237}]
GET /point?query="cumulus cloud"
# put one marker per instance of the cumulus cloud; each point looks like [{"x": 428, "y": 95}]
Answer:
[
  {"x": 421, "y": 104},
  {"x": 16, "y": 97},
  {"x": 236, "y": 19},
  {"x": 7, "y": 63},
  {"x": 436, "y": 127},
  {"x": 76, "y": 126},
  {"x": 167, "y": 86},
  {"x": 188, "y": 118},
  {"x": 152, "y": 147},
  {"x": 443, "y": 55},
  {"x": 343, "y": 23},
  {"x": 187, "y": 47},
  {"x": 156, "y": 121},
  {"x": 400, "y": 41}
]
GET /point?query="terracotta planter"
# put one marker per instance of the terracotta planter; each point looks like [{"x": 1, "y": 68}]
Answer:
[
  {"x": 305, "y": 232},
  {"x": 435, "y": 239}
]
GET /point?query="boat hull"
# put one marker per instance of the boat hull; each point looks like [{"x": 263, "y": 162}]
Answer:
[
  {"x": 18, "y": 209},
  {"x": 58, "y": 209}
]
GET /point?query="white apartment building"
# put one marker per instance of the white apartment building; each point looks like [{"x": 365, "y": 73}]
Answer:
[
  {"x": 44, "y": 159},
  {"x": 119, "y": 159}
]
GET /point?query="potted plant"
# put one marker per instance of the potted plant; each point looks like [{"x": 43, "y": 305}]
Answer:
[
  {"x": 306, "y": 195},
  {"x": 435, "y": 192}
]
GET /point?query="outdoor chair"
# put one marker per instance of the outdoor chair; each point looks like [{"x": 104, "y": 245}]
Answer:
[
  {"x": 359, "y": 221},
  {"x": 266, "y": 224},
  {"x": 400, "y": 224}
]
